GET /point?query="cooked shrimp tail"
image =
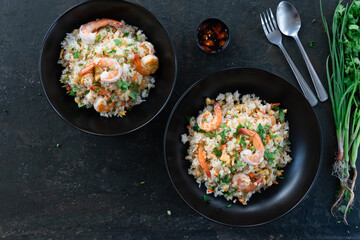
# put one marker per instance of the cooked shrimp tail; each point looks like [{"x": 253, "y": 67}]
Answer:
[
  {"x": 247, "y": 155},
  {"x": 214, "y": 123},
  {"x": 147, "y": 65},
  {"x": 111, "y": 75},
  {"x": 202, "y": 161},
  {"x": 86, "y": 31}
]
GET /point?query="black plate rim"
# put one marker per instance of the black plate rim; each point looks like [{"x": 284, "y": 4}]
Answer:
[
  {"x": 168, "y": 123},
  {"x": 96, "y": 133}
]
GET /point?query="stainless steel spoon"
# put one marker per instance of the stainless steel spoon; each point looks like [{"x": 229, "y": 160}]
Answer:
[{"x": 289, "y": 24}]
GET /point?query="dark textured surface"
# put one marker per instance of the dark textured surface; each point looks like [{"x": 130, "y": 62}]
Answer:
[{"x": 90, "y": 187}]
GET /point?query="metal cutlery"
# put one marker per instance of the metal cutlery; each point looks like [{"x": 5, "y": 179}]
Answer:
[{"x": 274, "y": 36}]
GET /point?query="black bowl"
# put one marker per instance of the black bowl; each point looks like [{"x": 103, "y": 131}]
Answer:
[
  {"x": 89, "y": 120},
  {"x": 305, "y": 138}
]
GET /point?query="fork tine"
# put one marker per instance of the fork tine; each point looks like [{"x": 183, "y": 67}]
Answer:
[
  {"x": 271, "y": 24},
  {"x": 273, "y": 19},
  {"x": 266, "y": 23},
  {"x": 263, "y": 25}
]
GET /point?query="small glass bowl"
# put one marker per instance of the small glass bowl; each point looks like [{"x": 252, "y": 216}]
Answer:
[{"x": 212, "y": 35}]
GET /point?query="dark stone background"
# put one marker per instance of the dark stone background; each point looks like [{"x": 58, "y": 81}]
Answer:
[{"x": 89, "y": 187}]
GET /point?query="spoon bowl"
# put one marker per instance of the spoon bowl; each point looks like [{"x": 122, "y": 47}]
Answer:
[{"x": 288, "y": 19}]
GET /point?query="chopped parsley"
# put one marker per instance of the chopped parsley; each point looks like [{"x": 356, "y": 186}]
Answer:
[
  {"x": 312, "y": 43},
  {"x": 242, "y": 141},
  {"x": 223, "y": 135},
  {"x": 260, "y": 130},
  {"x": 237, "y": 129},
  {"x": 267, "y": 127},
  {"x": 248, "y": 125},
  {"x": 117, "y": 42},
  {"x": 98, "y": 89},
  {"x": 136, "y": 48},
  {"x": 217, "y": 152},
  {"x": 197, "y": 128},
  {"x": 133, "y": 94},
  {"x": 72, "y": 92},
  {"x": 236, "y": 116},
  {"x": 126, "y": 34},
  {"x": 223, "y": 125},
  {"x": 273, "y": 136},
  {"x": 239, "y": 164},
  {"x": 76, "y": 54},
  {"x": 281, "y": 115},
  {"x": 123, "y": 85}
]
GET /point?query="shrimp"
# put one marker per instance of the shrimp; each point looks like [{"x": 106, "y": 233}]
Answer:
[
  {"x": 214, "y": 123},
  {"x": 242, "y": 182},
  {"x": 107, "y": 76},
  {"x": 86, "y": 31},
  {"x": 247, "y": 155},
  {"x": 202, "y": 162},
  {"x": 101, "y": 105},
  {"x": 147, "y": 65},
  {"x": 149, "y": 47}
]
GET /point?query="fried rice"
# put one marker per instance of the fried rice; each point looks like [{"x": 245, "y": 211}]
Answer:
[
  {"x": 223, "y": 146},
  {"x": 120, "y": 44}
]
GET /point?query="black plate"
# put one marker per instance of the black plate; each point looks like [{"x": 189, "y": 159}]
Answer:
[
  {"x": 89, "y": 120},
  {"x": 305, "y": 138}
]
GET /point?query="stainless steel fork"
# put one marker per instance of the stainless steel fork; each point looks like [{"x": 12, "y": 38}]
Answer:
[{"x": 274, "y": 36}]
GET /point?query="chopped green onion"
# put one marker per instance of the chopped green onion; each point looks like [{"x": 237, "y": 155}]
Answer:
[
  {"x": 98, "y": 37},
  {"x": 76, "y": 54}
]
